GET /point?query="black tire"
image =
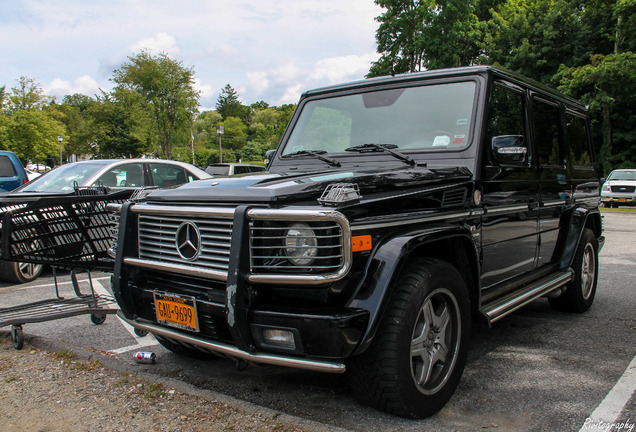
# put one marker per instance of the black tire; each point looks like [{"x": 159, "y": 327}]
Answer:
[
  {"x": 18, "y": 272},
  {"x": 140, "y": 332},
  {"x": 184, "y": 350},
  {"x": 579, "y": 293},
  {"x": 17, "y": 336},
  {"x": 427, "y": 323},
  {"x": 98, "y": 318}
]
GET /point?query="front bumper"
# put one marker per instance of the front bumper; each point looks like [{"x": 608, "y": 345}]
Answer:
[
  {"x": 618, "y": 198},
  {"x": 232, "y": 351}
]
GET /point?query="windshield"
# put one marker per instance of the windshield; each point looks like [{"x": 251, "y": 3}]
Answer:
[
  {"x": 623, "y": 175},
  {"x": 432, "y": 118},
  {"x": 61, "y": 179}
]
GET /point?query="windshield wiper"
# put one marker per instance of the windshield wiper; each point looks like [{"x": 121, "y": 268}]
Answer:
[
  {"x": 315, "y": 153},
  {"x": 382, "y": 147}
]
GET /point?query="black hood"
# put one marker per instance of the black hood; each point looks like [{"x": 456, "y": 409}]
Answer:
[{"x": 279, "y": 189}]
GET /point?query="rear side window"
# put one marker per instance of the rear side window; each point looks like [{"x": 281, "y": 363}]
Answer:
[
  {"x": 547, "y": 133},
  {"x": 129, "y": 175},
  {"x": 576, "y": 130},
  {"x": 6, "y": 167},
  {"x": 168, "y": 175}
]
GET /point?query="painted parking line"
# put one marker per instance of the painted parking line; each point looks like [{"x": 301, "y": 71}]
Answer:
[
  {"x": 142, "y": 342},
  {"x": 605, "y": 416}
]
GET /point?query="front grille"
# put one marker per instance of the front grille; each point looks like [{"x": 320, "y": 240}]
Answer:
[
  {"x": 165, "y": 234},
  {"x": 623, "y": 189},
  {"x": 157, "y": 240}
]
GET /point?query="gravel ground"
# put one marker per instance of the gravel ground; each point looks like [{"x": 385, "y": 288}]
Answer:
[{"x": 53, "y": 389}]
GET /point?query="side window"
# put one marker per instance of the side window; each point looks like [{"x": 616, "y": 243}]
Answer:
[
  {"x": 129, "y": 175},
  {"x": 505, "y": 115},
  {"x": 167, "y": 175},
  {"x": 240, "y": 169},
  {"x": 6, "y": 168},
  {"x": 547, "y": 133},
  {"x": 576, "y": 130}
]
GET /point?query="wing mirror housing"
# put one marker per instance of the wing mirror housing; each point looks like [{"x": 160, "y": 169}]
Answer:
[
  {"x": 510, "y": 150},
  {"x": 269, "y": 155}
]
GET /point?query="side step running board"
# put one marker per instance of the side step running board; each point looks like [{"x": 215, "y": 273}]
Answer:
[{"x": 499, "y": 307}]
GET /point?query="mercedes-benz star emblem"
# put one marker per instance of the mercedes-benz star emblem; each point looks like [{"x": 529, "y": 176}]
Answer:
[{"x": 188, "y": 241}]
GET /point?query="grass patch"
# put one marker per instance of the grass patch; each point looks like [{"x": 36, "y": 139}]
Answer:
[
  {"x": 64, "y": 354},
  {"x": 153, "y": 390},
  {"x": 122, "y": 381},
  {"x": 617, "y": 210},
  {"x": 88, "y": 366}
]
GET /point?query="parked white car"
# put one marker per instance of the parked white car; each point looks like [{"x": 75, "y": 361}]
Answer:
[
  {"x": 619, "y": 188},
  {"x": 114, "y": 173}
]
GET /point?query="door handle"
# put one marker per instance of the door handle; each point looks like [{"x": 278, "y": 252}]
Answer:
[{"x": 533, "y": 204}]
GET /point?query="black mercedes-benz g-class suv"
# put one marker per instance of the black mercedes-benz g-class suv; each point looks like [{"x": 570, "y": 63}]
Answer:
[{"x": 394, "y": 211}]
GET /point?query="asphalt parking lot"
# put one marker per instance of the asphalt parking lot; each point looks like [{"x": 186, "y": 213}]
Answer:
[{"x": 535, "y": 370}]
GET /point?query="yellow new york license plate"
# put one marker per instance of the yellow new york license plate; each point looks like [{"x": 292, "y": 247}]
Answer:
[{"x": 176, "y": 310}]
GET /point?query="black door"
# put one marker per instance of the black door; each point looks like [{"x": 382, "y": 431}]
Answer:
[{"x": 510, "y": 193}]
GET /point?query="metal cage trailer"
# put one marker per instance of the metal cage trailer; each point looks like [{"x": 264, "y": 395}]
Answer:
[{"x": 71, "y": 232}]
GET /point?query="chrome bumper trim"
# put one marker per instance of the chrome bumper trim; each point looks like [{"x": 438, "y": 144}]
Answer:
[
  {"x": 272, "y": 359},
  {"x": 176, "y": 268}
]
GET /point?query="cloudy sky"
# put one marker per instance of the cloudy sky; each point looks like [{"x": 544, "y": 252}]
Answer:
[{"x": 269, "y": 50}]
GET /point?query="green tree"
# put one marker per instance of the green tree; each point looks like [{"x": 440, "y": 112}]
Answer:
[
  {"x": 204, "y": 128},
  {"x": 535, "y": 38},
  {"x": 119, "y": 127},
  {"x": 28, "y": 129},
  {"x": 32, "y": 134},
  {"x": 167, "y": 89},
  {"x": 254, "y": 151},
  {"x": 608, "y": 86},
  {"x": 3, "y": 96},
  {"x": 26, "y": 95},
  {"x": 426, "y": 34},
  {"x": 229, "y": 105},
  {"x": 234, "y": 136}
]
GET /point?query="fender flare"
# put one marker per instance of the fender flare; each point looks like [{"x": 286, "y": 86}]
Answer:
[
  {"x": 580, "y": 219},
  {"x": 385, "y": 266}
]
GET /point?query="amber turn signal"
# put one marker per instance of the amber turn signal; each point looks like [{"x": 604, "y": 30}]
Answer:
[{"x": 361, "y": 243}]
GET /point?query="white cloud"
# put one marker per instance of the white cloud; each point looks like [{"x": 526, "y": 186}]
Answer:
[
  {"x": 345, "y": 68},
  {"x": 270, "y": 50},
  {"x": 258, "y": 82},
  {"x": 162, "y": 42},
  {"x": 291, "y": 94},
  {"x": 60, "y": 88}
]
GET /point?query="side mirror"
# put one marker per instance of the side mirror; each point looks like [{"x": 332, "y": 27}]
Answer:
[
  {"x": 509, "y": 150},
  {"x": 269, "y": 155}
]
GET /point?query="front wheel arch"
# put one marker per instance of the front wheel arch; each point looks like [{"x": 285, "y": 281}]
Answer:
[
  {"x": 455, "y": 247},
  {"x": 419, "y": 352}
]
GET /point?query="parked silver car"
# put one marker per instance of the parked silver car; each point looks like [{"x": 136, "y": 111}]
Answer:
[
  {"x": 619, "y": 188},
  {"x": 114, "y": 173}
]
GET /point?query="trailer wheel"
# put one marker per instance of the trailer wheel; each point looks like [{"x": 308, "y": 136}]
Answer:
[
  {"x": 98, "y": 318},
  {"x": 140, "y": 332},
  {"x": 17, "y": 336}
]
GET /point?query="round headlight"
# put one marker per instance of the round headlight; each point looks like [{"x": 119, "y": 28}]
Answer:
[{"x": 301, "y": 244}]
